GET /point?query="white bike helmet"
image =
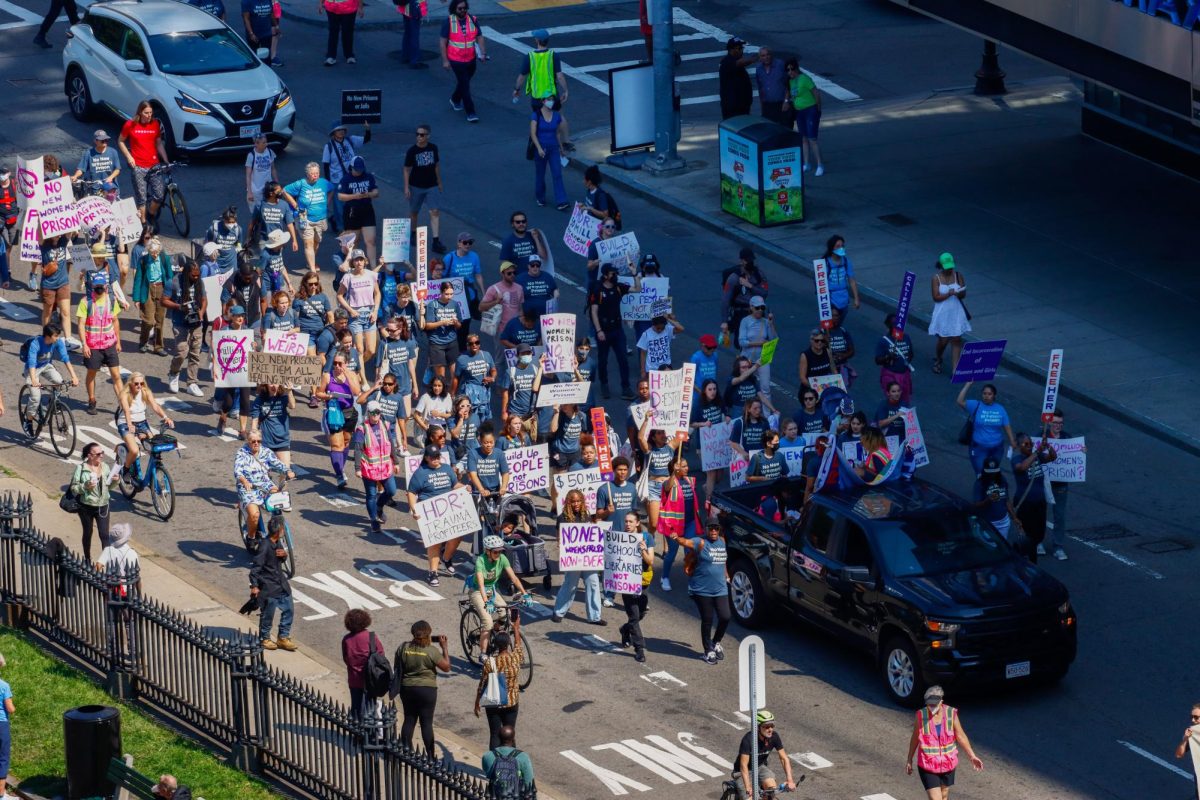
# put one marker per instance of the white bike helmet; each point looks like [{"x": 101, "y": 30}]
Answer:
[{"x": 493, "y": 542}]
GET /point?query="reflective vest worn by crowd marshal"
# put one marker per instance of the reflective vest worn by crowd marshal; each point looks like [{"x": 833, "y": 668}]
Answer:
[
  {"x": 936, "y": 749},
  {"x": 672, "y": 511},
  {"x": 99, "y": 329},
  {"x": 422, "y": 9},
  {"x": 375, "y": 460},
  {"x": 461, "y": 44},
  {"x": 540, "y": 83}
]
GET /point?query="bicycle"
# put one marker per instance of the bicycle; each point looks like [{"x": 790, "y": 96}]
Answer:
[
  {"x": 86, "y": 188},
  {"x": 276, "y": 504},
  {"x": 470, "y": 627},
  {"x": 173, "y": 199},
  {"x": 732, "y": 790},
  {"x": 153, "y": 475},
  {"x": 50, "y": 410}
]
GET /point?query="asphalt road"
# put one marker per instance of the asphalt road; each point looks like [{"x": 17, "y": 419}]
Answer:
[{"x": 595, "y": 721}]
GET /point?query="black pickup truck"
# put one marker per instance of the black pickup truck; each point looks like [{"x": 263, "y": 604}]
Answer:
[{"x": 906, "y": 572}]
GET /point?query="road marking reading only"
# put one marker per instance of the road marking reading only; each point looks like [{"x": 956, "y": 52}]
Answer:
[{"x": 1151, "y": 757}]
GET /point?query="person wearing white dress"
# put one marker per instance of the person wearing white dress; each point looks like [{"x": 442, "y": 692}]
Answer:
[{"x": 950, "y": 319}]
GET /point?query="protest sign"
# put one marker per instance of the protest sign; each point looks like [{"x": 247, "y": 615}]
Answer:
[
  {"x": 529, "y": 469},
  {"x": 824, "y": 301},
  {"x": 30, "y": 174},
  {"x": 1053, "y": 377},
  {"x": 57, "y": 210},
  {"x": 738, "y": 468},
  {"x": 447, "y": 516},
  {"x": 460, "y": 294},
  {"x": 397, "y": 233},
  {"x": 661, "y": 307},
  {"x": 581, "y": 546},
  {"x": 558, "y": 336},
  {"x": 767, "y": 354},
  {"x": 587, "y": 481},
  {"x": 362, "y": 105},
  {"x": 231, "y": 358},
  {"x": 914, "y": 438},
  {"x": 638, "y": 306},
  {"x": 622, "y": 562},
  {"x": 820, "y": 383},
  {"x": 978, "y": 361},
  {"x": 716, "y": 451},
  {"x": 31, "y": 237},
  {"x": 95, "y": 215},
  {"x": 604, "y": 450},
  {"x": 285, "y": 369},
  {"x": 81, "y": 256},
  {"x": 638, "y": 412},
  {"x": 1071, "y": 464},
  {"x": 903, "y": 304},
  {"x": 412, "y": 463},
  {"x": 558, "y": 393},
  {"x": 212, "y": 293},
  {"x": 510, "y": 355},
  {"x": 422, "y": 264},
  {"x": 489, "y": 321},
  {"x": 622, "y": 251},
  {"x": 128, "y": 223},
  {"x": 581, "y": 229},
  {"x": 794, "y": 458},
  {"x": 671, "y": 397},
  {"x": 288, "y": 343}
]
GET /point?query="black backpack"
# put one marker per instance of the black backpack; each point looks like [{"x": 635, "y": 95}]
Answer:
[
  {"x": 504, "y": 780},
  {"x": 614, "y": 210},
  {"x": 23, "y": 353},
  {"x": 377, "y": 674}
]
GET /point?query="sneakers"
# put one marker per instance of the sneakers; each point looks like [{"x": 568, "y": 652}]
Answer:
[
  {"x": 275, "y": 62},
  {"x": 1041, "y": 549},
  {"x": 819, "y": 172},
  {"x": 351, "y": 60},
  {"x": 720, "y": 651},
  {"x": 313, "y": 402},
  {"x": 269, "y": 645},
  {"x": 472, "y": 118},
  {"x": 194, "y": 390},
  {"x": 711, "y": 656},
  {"x": 432, "y": 578},
  {"x": 158, "y": 351},
  {"x": 625, "y": 635},
  {"x": 805, "y": 167},
  {"x": 607, "y": 603},
  {"x": 341, "y": 483},
  {"x": 329, "y": 62},
  {"x": 173, "y": 383},
  {"x": 376, "y": 527},
  {"x": 639, "y": 656},
  {"x": 563, "y": 206},
  {"x": 541, "y": 203},
  {"x": 1060, "y": 554},
  {"x": 235, "y": 414},
  {"x": 40, "y": 41},
  {"x": 285, "y": 643},
  {"x": 666, "y": 584},
  {"x": 603, "y": 623},
  {"x": 145, "y": 348},
  {"x": 456, "y": 106},
  {"x": 91, "y": 407},
  {"x": 555, "y": 618}
]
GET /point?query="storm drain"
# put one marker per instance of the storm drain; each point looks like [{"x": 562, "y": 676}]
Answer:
[
  {"x": 898, "y": 220},
  {"x": 1103, "y": 532},
  {"x": 1159, "y": 546}
]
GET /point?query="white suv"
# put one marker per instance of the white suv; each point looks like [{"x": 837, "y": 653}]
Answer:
[{"x": 210, "y": 91}]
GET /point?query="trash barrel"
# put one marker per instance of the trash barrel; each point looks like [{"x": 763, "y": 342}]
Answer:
[{"x": 92, "y": 738}]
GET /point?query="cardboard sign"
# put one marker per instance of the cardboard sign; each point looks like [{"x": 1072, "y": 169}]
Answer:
[
  {"x": 903, "y": 304},
  {"x": 820, "y": 383},
  {"x": 638, "y": 412},
  {"x": 362, "y": 105},
  {"x": 639, "y": 306},
  {"x": 212, "y": 293},
  {"x": 587, "y": 481},
  {"x": 1053, "y": 376},
  {"x": 581, "y": 546},
  {"x": 767, "y": 354},
  {"x": 914, "y": 439},
  {"x": 128, "y": 224},
  {"x": 661, "y": 307},
  {"x": 529, "y": 469},
  {"x": 556, "y": 394},
  {"x": 95, "y": 216},
  {"x": 80, "y": 255},
  {"x": 288, "y": 343},
  {"x": 397, "y": 233},
  {"x": 671, "y": 393},
  {"x": 285, "y": 369},
  {"x": 622, "y": 562},
  {"x": 29, "y": 179},
  {"x": 824, "y": 300},
  {"x": 1071, "y": 464},
  {"x": 57, "y": 209},
  {"x": 604, "y": 449},
  {"x": 447, "y": 516},
  {"x": 581, "y": 229},
  {"x": 558, "y": 335},
  {"x": 412, "y": 463},
  {"x": 979, "y": 361},
  {"x": 716, "y": 451},
  {"x": 231, "y": 358},
  {"x": 31, "y": 237},
  {"x": 622, "y": 251}
]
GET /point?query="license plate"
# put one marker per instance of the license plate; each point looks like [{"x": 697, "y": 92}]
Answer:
[
  {"x": 250, "y": 131},
  {"x": 1017, "y": 670}
]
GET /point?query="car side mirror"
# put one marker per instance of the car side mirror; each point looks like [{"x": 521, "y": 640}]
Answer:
[
  {"x": 262, "y": 53},
  {"x": 858, "y": 575},
  {"x": 135, "y": 65}
]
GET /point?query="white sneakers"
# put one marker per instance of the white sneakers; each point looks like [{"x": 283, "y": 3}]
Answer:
[
  {"x": 666, "y": 584},
  {"x": 329, "y": 62},
  {"x": 1060, "y": 554},
  {"x": 820, "y": 171},
  {"x": 194, "y": 390},
  {"x": 173, "y": 383},
  {"x": 1041, "y": 549}
]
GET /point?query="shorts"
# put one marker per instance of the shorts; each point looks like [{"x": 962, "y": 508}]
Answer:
[
  {"x": 765, "y": 774},
  {"x": 314, "y": 231},
  {"x": 51, "y": 297},
  {"x": 654, "y": 490},
  {"x": 362, "y": 322},
  {"x": 423, "y": 197},
  {"x": 936, "y": 780},
  {"x": 108, "y": 357},
  {"x": 807, "y": 121},
  {"x": 141, "y": 428},
  {"x": 443, "y": 355},
  {"x": 480, "y": 606},
  {"x": 355, "y": 218},
  {"x": 148, "y": 187}
]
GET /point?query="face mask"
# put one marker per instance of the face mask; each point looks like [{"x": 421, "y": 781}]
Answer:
[
  {"x": 841, "y": 251},
  {"x": 582, "y": 353},
  {"x": 525, "y": 361}
]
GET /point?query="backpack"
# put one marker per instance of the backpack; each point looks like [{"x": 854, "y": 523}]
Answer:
[
  {"x": 614, "y": 210},
  {"x": 504, "y": 780},
  {"x": 23, "y": 353},
  {"x": 377, "y": 673}
]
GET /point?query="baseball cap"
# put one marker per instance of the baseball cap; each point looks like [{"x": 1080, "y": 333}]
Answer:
[
  {"x": 991, "y": 467},
  {"x": 934, "y": 692},
  {"x": 211, "y": 248},
  {"x": 708, "y": 340},
  {"x": 99, "y": 278},
  {"x": 359, "y": 164},
  {"x": 374, "y": 406},
  {"x": 507, "y": 265},
  {"x": 534, "y": 259},
  {"x": 335, "y": 126},
  {"x": 757, "y": 302},
  {"x": 523, "y": 349},
  {"x": 432, "y": 451},
  {"x": 734, "y": 42},
  {"x": 237, "y": 311},
  {"x": 542, "y": 35},
  {"x": 465, "y": 237},
  {"x": 946, "y": 261},
  {"x": 101, "y": 135}
]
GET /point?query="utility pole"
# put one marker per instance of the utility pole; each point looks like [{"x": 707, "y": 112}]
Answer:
[
  {"x": 665, "y": 159},
  {"x": 989, "y": 79}
]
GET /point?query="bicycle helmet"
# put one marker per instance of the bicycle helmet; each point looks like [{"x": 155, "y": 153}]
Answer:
[
  {"x": 764, "y": 716},
  {"x": 493, "y": 542}
]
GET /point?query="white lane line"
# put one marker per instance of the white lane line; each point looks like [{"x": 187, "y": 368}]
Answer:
[
  {"x": 703, "y": 76},
  {"x": 734, "y": 725},
  {"x": 1129, "y": 562},
  {"x": 584, "y": 48},
  {"x": 591, "y": 26},
  {"x": 708, "y": 98},
  {"x": 26, "y": 18},
  {"x": 663, "y": 680},
  {"x": 880, "y": 796},
  {"x": 810, "y": 760},
  {"x": 494, "y": 35},
  {"x": 1151, "y": 757}
]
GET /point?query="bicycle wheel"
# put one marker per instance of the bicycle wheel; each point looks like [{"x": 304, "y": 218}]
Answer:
[
  {"x": 29, "y": 426},
  {"x": 289, "y": 563},
  {"x": 526, "y": 663},
  {"x": 126, "y": 482},
  {"x": 179, "y": 210},
  {"x": 62, "y": 429},
  {"x": 162, "y": 491},
  {"x": 469, "y": 628}
]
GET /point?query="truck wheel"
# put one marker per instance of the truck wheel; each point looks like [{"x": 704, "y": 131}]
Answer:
[
  {"x": 746, "y": 595},
  {"x": 902, "y": 672}
]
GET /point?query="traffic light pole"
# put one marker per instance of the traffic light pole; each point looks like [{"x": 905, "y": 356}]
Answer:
[{"x": 665, "y": 159}]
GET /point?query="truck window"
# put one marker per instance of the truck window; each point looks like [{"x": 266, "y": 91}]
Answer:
[
  {"x": 856, "y": 550},
  {"x": 820, "y": 528}
]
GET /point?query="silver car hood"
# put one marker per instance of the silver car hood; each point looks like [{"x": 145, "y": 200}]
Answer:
[{"x": 228, "y": 87}]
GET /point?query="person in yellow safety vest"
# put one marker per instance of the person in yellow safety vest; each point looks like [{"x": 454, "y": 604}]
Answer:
[
  {"x": 461, "y": 38},
  {"x": 374, "y": 443},
  {"x": 541, "y": 76},
  {"x": 101, "y": 339},
  {"x": 410, "y": 49},
  {"x": 937, "y": 735}
]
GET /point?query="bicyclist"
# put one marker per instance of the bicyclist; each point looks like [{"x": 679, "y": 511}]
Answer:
[
  {"x": 768, "y": 741},
  {"x": 490, "y": 566},
  {"x": 133, "y": 425},
  {"x": 99, "y": 164},
  {"x": 39, "y": 364},
  {"x": 252, "y": 468},
  {"x": 141, "y": 143}
]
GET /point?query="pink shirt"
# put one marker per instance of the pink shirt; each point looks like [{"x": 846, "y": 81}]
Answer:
[
  {"x": 355, "y": 651},
  {"x": 511, "y": 298}
]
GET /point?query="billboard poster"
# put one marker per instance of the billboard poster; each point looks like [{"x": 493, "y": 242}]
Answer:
[
  {"x": 739, "y": 177},
  {"x": 783, "y": 193}
]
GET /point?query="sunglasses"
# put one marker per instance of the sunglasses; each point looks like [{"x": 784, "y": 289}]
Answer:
[
  {"x": 818, "y": 339},
  {"x": 808, "y": 398},
  {"x": 473, "y": 344},
  {"x": 256, "y": 441},
  {"x": 509, "y": 272},
  {"x": 339, "y": 363},
  {"x": 389, "y": 383},
  {"x": 137, "y": 383},
  {"x": 312, "y": 283},
  {"x": 467, "y": 241},
  {"x": 519, "y": 221}
]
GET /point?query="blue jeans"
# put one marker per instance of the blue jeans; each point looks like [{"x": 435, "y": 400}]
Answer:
[
  {"x": 551, "y": 159},
  {"x": 980, "y": 453},
  {"x": 5, "y": 747},
  {"x": 1058, "y": 534},
  {"x": 591, "y": 597},
  {"x": 270, "y": 605},
  {"x": 371, "y": 489},
  {"x": 410, "y": 48},
  {"x": 614, "y": 340}
]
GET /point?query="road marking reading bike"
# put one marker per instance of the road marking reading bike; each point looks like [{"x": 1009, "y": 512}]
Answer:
[
  {"x": 663, "y": 680},
  {"x": 691, "y": 763},
  {"x": 356, "y": 593}
]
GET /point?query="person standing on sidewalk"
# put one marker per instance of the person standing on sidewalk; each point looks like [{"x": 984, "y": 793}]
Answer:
[
  {"x": 804, "y": 100},
  {"x": 937, "y": 735},
  {"x": 460, "y": 40},
  {"x": 186, "y": 299},
  {"x": 736, "y": 91},
  {"x": 772, "y": 82},
  {"x": 340, "y": 14},
  {"x": 267, "y": 579},
  {"x": 949, "y": 320},
  {"x": 415, "y": 668},
  {"x": 509, "y": 771},
  {"x": 357, "y": 646},
  {"x": 1058, "y": 494},
  {"x": 423, "y": 183}
]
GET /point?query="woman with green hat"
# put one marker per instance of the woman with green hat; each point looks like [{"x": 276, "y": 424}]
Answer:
[{"x": 950, "y": 319}]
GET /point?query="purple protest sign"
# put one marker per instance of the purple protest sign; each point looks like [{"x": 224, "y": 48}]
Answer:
[
  {"x": 979, "y": 361},
  {"x": 906, "y": 293}
]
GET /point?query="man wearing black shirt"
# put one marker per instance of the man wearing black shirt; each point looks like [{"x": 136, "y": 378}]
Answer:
[
  {"x": 768, "y": 741},
  {"x": 604, "y": 309},
  {"x": 736, "y": 91},
  {"x": 423, "y": 183}
]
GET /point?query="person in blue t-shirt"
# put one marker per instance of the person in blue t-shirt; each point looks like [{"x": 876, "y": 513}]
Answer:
[
  {"x": 521, "y": 385},
  {"x": 432, "y": 479},
  {"x": 310, "y": 198},
  {"x": 39, "y": 364},
  {"x": 474, "y": 375},
  {"x": 617, "y": 497},
  {"x": 214, "y": 7},
  {"x": 522, "y": 330},
  {"x": 708, "y": 587},
  {"x": 567, "y": 425},
  {"x": 258, "y": 17},
  {"x": 6, "y": 710},
  {"x": 56, "y": 281},
  {"x": 705, "y": 360},
  {"x": 990, "y": 425},
  {"x": 487, "y": 468},
  {"x": 540, "y": 287},
  {"x": 464, "y": 263},
  {"x": 270, "y": 413}
]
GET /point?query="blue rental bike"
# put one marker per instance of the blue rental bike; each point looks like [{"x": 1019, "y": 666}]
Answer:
[
  {"x": 276, "y": 505},
  {"x": 149, "y": 472}
]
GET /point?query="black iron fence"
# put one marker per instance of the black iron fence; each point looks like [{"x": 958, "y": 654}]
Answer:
[{"x": 217, "y": 689}]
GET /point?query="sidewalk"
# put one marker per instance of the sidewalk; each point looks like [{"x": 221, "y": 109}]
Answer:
[
  {"x": 161, "y": 582},
  {"x": 1063, "y": 242}
]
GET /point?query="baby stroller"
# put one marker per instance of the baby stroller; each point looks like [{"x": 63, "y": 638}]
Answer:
[{"x": 524, "y": 547}]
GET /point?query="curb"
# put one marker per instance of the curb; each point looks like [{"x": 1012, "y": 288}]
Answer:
[{"x": 1021, "y": 366}]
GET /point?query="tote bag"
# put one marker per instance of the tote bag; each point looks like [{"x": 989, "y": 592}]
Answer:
[{"x": 495, "y": 694}]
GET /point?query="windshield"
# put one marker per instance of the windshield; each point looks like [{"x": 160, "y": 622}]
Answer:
[
  {"x": 201, "y": 52},
  {"x": 934, "y": 543}
]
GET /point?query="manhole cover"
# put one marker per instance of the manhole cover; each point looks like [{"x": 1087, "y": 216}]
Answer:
[
  {"x": 1164, "y": 546},
  {"x": 1100, "y": 532},
  {"x": 19, "y": 82},
  {"x": 899, "y": 220}
]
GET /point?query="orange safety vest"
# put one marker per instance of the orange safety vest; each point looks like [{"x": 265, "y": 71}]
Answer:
[
  {"x": 672, "y": 510},
  {"x": 99, "y": 330},
  {"x": 937, "y": 750},
  {"x": 375, "y": 460},
  {"x": 461, "y": 44}
]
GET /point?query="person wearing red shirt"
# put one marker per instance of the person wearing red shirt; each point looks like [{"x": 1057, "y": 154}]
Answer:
[{"x": 141, "y": 142}]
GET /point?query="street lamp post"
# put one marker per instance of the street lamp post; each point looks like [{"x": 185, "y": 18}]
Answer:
[
  {"x": 665, "y": 159},
  {"x": 989, "y": 79}
]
